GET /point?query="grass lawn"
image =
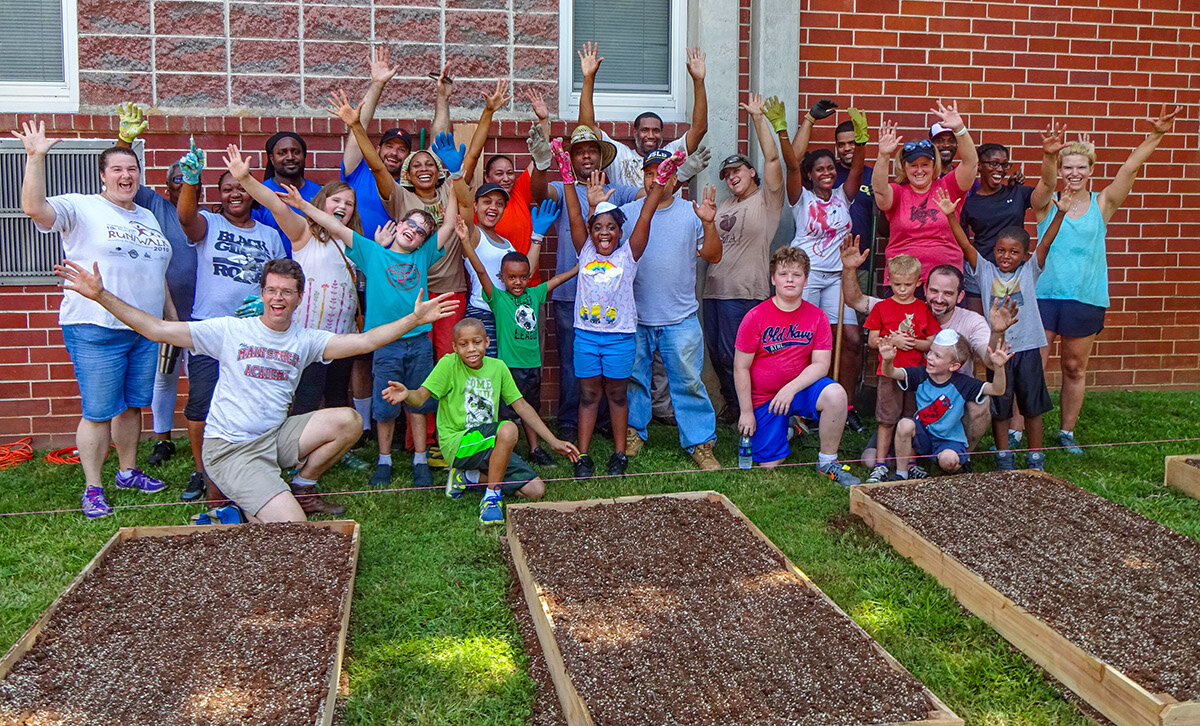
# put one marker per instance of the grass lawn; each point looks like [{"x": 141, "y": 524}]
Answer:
[{"x": 432, "y": 641}]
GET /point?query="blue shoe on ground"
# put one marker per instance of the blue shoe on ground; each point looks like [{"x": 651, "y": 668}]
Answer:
[
  {"x": 422, "y": 476},
  {"x": 490, "y": 511},
  {"x": 1035, "y": 460},
  {"x": 94, "y": 503},
  {"x": 456, "y": 483},
  {"x": 1005, "y": 461},
  {"x": 136, "y": 479},
  {"x": 839, "y": 473},
  {"x": 228, "y": 514},
  {"x": 1014, "y": 439},
  {"x": 382, "y": 476},
  {"x": 1067, "y": 441}
]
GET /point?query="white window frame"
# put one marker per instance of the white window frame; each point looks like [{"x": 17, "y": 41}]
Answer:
[
  {"x": 671, "y": 106},
  {"x": 40, "y": 97}
]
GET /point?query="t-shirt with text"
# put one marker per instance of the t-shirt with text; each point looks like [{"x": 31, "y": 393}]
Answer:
[
  {"x": 940, "y": 406},
  {"x": 448, "y": 273},
  {"x": 393, "y": 279},
  {"x": 565, "y": 257},
  {"x": 919, "y": 228},
  {"x": 913, "y": 318},
  {"x": 782, "y": 342},
  {"x": 517, "y": 325},
  {"x": 467, "y": 397},
  {"x": 229, "y": 263}
]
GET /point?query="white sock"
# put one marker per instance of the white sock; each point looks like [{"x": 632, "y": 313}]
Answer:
[
  {"x": 299, "y": 481},
  {"x": 823, "y": 459},
  {"x": 363, "y": 406},
  {"x": 419, "y": 457},
  {"x": 1002, "y": 451},
  {"x": 471, "y": 475},
  {"x": 385, "y": 459},
  {"x": 1068, "y": 433},
  {"x": 492, "y": 493}
]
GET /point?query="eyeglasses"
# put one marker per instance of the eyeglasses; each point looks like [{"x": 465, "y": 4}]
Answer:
[
  {"x": 997, "y": 164},
  {"x": 283, "y": 292},
  {"x": 914, "y": 145},
  {"x": 413, "y": 225}
]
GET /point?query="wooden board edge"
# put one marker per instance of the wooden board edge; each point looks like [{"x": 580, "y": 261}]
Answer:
[
  {"x": 1184, "y": 713},
  {"x": 575, "y": 711},
  {"x": 1179, "y": 474},
  {"x": 1099, "y": 684},
  {"x": 329, "y": 707}
]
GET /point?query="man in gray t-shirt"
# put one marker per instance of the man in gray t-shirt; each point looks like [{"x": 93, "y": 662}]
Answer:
[{"x": 665, "y": 293}]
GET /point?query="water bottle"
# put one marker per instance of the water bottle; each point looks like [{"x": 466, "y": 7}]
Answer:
[{"x": 744, "y": 454}]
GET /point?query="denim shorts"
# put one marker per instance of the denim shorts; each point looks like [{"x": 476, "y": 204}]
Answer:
[
  {"x": 407, "y": 360},
  {"x": 604, "y": 354},
  {"x": 1071, "y": 318},
  {"x": 115, "y": 369}
]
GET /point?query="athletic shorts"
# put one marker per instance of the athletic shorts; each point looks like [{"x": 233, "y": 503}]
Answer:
[
  {"x": 203, "y": 372},
  {"x": 114, "y": 367},
  {"x": 248, "y": 471},
  {"x": 604, "y": 354},
  {"x": 475, "y": 452},
  {"x": 926, "y": 444},
  {"x": 1026, "y": 383},
  {"x": 770, "y": 440},
  {"x": 529, "y": 383},
  {"x": 407, "y": 360},
  {"x": 1071, "y": 318}
]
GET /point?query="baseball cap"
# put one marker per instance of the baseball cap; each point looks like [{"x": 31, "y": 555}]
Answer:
[
  {"x": 913, "y": 150},
  {"x": 938, "y": 128},
  {"x": 396, "y": 133},
  {"x": 733, "y": 162},
  {"x": 490, "y": 187},
  {"x": 657, "y": 156}
]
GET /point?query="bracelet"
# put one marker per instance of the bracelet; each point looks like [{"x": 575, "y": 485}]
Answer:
[
  {"x": 535, "y": 237},
  {"x": 961, "y": 132}
]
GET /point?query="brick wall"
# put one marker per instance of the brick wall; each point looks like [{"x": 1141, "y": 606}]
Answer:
[{"x": 1100, "y": 66}]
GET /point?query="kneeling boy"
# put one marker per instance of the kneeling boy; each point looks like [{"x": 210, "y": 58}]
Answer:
[
  {"x": 775, "y": 340},
  {"x": 469, "y": 387}
]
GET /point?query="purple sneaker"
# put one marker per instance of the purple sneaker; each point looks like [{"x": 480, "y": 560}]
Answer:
[
  {"x": 94, "y": 504},
  {"x": 135, "y": 479}
]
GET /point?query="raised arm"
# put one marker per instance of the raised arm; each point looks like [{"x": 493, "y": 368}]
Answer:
[
  {"x": 332, "y": 224},
  {"x": 382, "y": 71},
  {"x": 641, "y": 230},
  {"x": 33, "y": 186},
  {"x": 861, "y": 136},
  {"x": 491, "y": 104},
  {"x": 771, "y": 119},
  {"x": 706, "y": 211},
  {"x": 340, "y": 106},
  {"x": 1114, "y": 194},
  {"x": 968, "y": 164},
  {"x": 1043, "y": 191},
  {"x": 1043, "y": 246},
  {"x": 589, "y": 63},
  {"x": 88, "y": 283},
  {"x": 696, "y": 69},
  {"x": 579, "y": 230},
  {"x": 541, "y": 220},
  {"x": 793, "y": 155},
  {"x": 449, "y": 226},
  {"x": 441, "y": 103},
  {"x": 997, "y": 357},
  {"x": 424, "y": 312},
  {"x": 131, "y": 122},
  {"x": 472, "y": 257},
  {"x": 467, "y": 231},
  {"x": 852, "y": 258},
  {"x": 889, "y": 141},
  {"x": 887, "y": 356},
  {"x": 292, "y": 224},
  {"x": 560, "y": 278},
  {"x": 191, "y": 165},
  {"x": 542, "y": 155},
  {"x": 950, "y": 208}
]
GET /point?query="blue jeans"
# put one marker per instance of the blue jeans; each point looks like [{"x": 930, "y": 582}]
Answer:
[
  {"x": 721, "y": 321},
  {"x": 682, "y": 349}
]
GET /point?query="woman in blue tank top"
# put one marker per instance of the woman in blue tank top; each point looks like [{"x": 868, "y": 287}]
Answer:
[{"x": 1073, "y": 290}]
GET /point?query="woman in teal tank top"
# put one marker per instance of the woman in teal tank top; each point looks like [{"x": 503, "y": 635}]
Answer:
[{"x": 1073, "y": 290}]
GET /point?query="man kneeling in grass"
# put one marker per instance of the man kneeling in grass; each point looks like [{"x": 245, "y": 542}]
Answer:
[{"x": 469, "y": 387}]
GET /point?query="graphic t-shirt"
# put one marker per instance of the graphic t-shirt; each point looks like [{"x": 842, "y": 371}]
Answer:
[
  {"x": 181, "y": 272},
  {"x": 131, "y": 250},
  {"x": 604, "y": 301},
  {"x": 330, "y": 299},
  {"x": 393, "y": 279},
  {"x": 919, "y": 228},
  {"x": 940, "y": 406},
  {"x": 260, "y": 369},
  {"x": 782, "y": 343},
  {"x": 914, "y": 318},
  {"x": 565, "y": 258},
  {"x": 467, "y": 397},
  {"x": 746, "y": 229},
  {"x": 862, "y": 206},
  {"x": 229, "y": 263},
  {"x": 264, "y": 215},
  {"x": 517, "y": 325},
  {"x": 821, "y": 225},
  {"x": 447, "y": 274},
  {"x": 986, "y": 215},
  {"x": 1020, "y": 286},
  {"x": 665, "y": 291}
]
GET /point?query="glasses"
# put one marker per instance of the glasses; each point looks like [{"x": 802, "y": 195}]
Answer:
[
  {"x": 413, "y": 225},
  {"x": 914, "y": 145},
  {"x": 282, "y": 292},
  {"x": 997, "y": 164}
]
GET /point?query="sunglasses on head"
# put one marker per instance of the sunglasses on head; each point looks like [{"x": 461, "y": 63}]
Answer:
[{"x": 914, "y": 145}]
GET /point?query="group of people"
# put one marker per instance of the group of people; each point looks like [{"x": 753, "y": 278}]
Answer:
[{"x": 402, "y": 292}]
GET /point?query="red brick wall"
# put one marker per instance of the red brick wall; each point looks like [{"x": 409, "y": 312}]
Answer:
[{"x": 1100, "y": 66}]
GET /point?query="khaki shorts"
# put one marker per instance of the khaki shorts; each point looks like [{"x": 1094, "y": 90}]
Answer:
[{"x": 248, "y": 471}]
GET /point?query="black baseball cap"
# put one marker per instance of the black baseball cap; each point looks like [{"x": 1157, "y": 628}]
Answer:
[
  {"x": 489, "y": 188},
  {"x": 396, "y": 133},
  {"x": 657, "y": 156},
  {"x": 733, "y": 162}
]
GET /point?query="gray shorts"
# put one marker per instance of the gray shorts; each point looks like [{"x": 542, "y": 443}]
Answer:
[{"x": 248, "y": 471}]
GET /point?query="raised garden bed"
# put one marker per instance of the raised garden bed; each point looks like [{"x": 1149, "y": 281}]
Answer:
[
  {"x": 677, "y": 609},
  {"x": 210, "y": 625},
  {"x": 1183, "y": 473},
  {"x": 1106, "y": 600}
]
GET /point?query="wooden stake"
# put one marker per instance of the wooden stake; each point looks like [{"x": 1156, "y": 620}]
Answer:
[{"x": 837, "y": 339}]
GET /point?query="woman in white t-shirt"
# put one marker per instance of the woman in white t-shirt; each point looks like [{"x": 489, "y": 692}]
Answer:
[{"x": 113, "y": 364}]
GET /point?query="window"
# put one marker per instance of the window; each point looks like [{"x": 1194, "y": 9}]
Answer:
[
  {"x": 39, "y": 67},
  {"x": 644, "y": 45}
]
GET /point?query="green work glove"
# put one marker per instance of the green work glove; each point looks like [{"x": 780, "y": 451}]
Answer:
[
  {"x": 776, "y": 113},
  {"x": 132, "y": 123},
  {"x": 860, "y": 125},
  {"x": 192, "y": 164}
]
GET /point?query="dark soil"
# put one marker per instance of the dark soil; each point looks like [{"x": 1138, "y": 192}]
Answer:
[
  {"x": 231, "y": 627},
  {"x": 546, "y": 709},
  {"x": 1193, "y": 462},
  {"x": 672, "y": 611},
  {"x": 1118, "y": 585}
]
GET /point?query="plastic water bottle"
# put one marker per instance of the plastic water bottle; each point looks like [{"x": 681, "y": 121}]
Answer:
[{"x": 744, "y": 453}]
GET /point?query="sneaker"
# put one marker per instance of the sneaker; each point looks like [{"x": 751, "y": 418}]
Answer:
[
  {"x": 363, "y": 440},
  {"x": 382, "y": 476},
  {"x": 135, "y": 479},
  {"x": 966, "y": 468},
  {"x": 840, "y": 473},
  {"x": 1014, "y": 439},
  {"x": 197, "y": 485},
  {"x": 797, "y": 428},
  {"x": 853, "y": 422},
  {"x": 228, "y": 514},
  {"x": 490, "y": 511},
  {"x": 878, "y": 474},
  {"x": 163, "y": 450},
  {"x": 434, "y": 457},
  {"x": 456, "y": 483},
  {"x": 584, "y": 467},
  {"x": 422, "y": 476},
  {"x": 617, "y": 464},
  {"x": 1067, "y": 441},
  {"x": 703, "y": 456},
  {"x": 633, "y": 442},
  {"x": 541, "y": 457},
  {"x": 1035, "y": 460},
  {"x": 1005, "y": 461},
  {"x": 94, "y": 503},
  {"x": 917, "y": 472},
  {"x": 353, "y": 462}
]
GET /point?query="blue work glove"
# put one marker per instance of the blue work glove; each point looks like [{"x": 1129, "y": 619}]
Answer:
[
  {"x": 544, "y": 216},
  {"x": 192, "y": 164},
  {"x": 251, "y": 306},
  {"x": 452, "y": 158}
]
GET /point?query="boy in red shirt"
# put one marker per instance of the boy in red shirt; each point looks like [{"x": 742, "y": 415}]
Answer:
[
  {"x": 782, "y": 354},
  {"x": 909, "y": 325}
]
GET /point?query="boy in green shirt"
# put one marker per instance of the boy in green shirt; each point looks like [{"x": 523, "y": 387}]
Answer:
[{"x": 469, "y": 387}]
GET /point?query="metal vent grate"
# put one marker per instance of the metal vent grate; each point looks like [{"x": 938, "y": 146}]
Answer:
[{"x": 27, "y": 257}]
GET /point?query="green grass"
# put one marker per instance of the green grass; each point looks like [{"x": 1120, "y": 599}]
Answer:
[{"x": 432, "y": 641}]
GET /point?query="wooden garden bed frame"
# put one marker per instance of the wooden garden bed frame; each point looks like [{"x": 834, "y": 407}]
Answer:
[
  {"x": 573, "y": 706},
  {"x": 344, "y": 526},
  {"x": 1105, "y": 688},
  {"x": 1182, "y": 475}
]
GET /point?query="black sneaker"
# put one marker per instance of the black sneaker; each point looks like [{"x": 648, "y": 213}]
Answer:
[
  {"x": 163, "y": 450},
  {"x": 584, "y": 467},
  {"x": 196, "y": 487},
  {"x": 541, "y": 457},
  {"x": 853, "y": 422},
  {"x": 617, "y": 463},
  {"x": 568, "y": 433}
]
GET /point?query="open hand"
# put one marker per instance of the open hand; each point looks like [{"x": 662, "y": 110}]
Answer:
[
  {"x": 696, "y": 63},
  {"x": 852, "y": 255},
  {"x": 382, "y": 69},
  {"x": 588, "y": 62},
  {"x": 944, "y": 202},
  {"x": 131, "y": 122},
  {"x": 889, "y": 140},
  {"x": 538, "y": 103},
  {"x": 252, "y": 306},
  {"x": 498, "y": 98},
  {"x": 539, "y": 148},
  {"x": 706, "y": 210},
  {"x": 291, "y": 195},
  {"x": 887, "y": 351},
  {"x": 823, "y": 108},
  {"x": 998, "y": 357},
  {"x": 753, "y": 104},
  {"x": 949, "y": 116},
  {"x": 395, "y": 393},
  {"x": 695, "y": 163},
  {"x": 434, "y": 309},
  {"x": 1003, "y": 314},
  {"x": 1165, "y": 119},
  {"x": 34, "y": 138},
  {"x": 544, "y": 215},
  {"x": 775, "y": 112},
  {"x": 595, "y": 189},
  {"x": 452, "y": 158},
  {"x": 464, "y": 233},
  {"x": 1052, "y": 139},
  {"x": 859, "y": 119},
  {"x": 340, "y": 106},
  {"x": 80, "y": 280},
  {"x": 237, "y": 165},
  {"x": 386, "y": 235}
]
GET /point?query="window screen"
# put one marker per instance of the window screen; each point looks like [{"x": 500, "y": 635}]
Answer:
[
  {"x": 635, "y": 42},
  {"x": 31, "y": 41}
]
